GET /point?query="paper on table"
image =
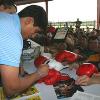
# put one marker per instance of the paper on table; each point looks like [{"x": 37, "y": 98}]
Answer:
[{"x": 84, "y": 96}]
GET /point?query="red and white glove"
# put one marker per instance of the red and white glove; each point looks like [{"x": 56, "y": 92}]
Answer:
[
  {"x": 53, "y": 64},
  {"x": 86, "y": 69},
  {"x": 66, "y": 56},
  {"x": 53, "y": 77},
  {"x": 40, "y": 60}
]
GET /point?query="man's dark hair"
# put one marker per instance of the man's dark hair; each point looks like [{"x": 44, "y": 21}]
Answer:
[
  {"x": 38, "y": 13},
  {"x": 8, "y": 3}
]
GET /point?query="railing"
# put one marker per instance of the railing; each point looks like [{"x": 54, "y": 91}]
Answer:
[{"x": 89, "y": 24}]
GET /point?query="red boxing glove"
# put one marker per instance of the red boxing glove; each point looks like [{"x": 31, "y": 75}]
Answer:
[
  {"x": 86, "y": 69},
  {"x": 51, "y": 74},
  {"x": 40, "y": 60},
  {"x": 53, "y": 77},
  {"x": 66, "y": 56},
  {"x": 53, "y": 64}
]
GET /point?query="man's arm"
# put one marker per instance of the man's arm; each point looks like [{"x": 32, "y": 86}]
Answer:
[{"x": 13, "y": 83}]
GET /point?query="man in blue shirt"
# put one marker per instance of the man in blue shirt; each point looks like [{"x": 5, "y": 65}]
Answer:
[{"x": 13, "y": 29}]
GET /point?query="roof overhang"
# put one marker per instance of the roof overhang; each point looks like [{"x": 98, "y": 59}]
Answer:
[{"x": 23, "y": 2}]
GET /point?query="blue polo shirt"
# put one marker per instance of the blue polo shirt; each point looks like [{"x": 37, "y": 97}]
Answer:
[{"x": 11, "y": 42}]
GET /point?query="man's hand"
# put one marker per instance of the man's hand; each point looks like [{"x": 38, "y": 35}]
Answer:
[
  {"x": 42, "y": 70},
  {"x": 52, "y": 63}
]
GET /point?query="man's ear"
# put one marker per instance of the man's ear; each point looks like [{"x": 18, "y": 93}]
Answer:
[{"x": 29, "y": 20}]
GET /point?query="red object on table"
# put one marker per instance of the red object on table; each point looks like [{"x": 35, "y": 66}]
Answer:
[
  {"x": 66, "y": 56},
  {"x": 40, "y": 60},
  {"x": 53, "y": 77},
  {"x": 86, "y": 69}
]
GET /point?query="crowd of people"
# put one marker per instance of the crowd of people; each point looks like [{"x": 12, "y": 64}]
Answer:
[
  {"x": 85, "y": 43},
  {"x": 15, "y": 27}
]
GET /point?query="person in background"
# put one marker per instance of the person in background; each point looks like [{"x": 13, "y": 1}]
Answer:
[
  {"x": 78, "y": 23},
  {"x": 13, "y": 29},
  {"x": 94, "y": 58},
  {"x": 8, "y": 6},
  {"x": 51, "y": 31},
  {"x": 51, "y": 28}
]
